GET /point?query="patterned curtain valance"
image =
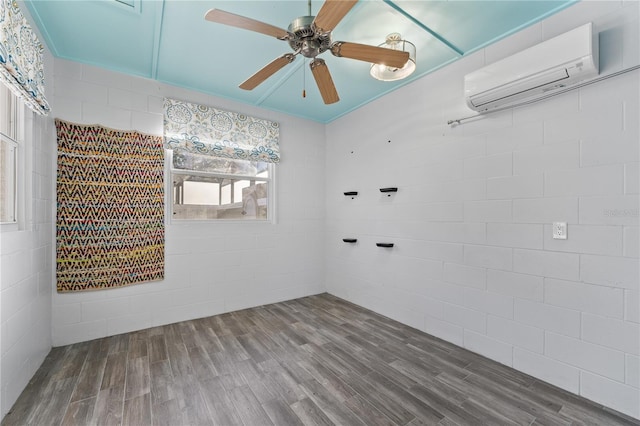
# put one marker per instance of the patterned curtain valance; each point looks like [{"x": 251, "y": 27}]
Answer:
[
  {"x": 21, "y": 53},
  {"x": 204, "y": 130}
]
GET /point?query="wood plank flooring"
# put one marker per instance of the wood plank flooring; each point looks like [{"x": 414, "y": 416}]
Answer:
[{"x": 312, "y": 361}]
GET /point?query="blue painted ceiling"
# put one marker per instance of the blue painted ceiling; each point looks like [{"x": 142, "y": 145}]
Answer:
[{"x": 169, "y": 40}]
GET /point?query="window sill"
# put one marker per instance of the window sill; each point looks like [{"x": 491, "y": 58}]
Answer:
[
  {"x": 173, "y": 221},
  {"x": 9, "y": 227}
]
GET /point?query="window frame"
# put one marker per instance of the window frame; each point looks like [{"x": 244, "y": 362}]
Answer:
[
  {"x": 171, "y": 171},
  {"x": 15, "y": 127},
  {"x": 13, "y": 181}
]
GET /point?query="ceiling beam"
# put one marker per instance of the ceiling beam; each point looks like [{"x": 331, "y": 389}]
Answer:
[
  {"x": 275, "y": 86},
  {"x": 155, "y": 59},
  {"x": 424, "y": 27}
]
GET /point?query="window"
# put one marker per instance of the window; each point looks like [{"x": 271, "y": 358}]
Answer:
[
  {"x": 221, "y": 163},
  {"x": 12, "y": 124},
  {"x": 212, "y": 188},
  {"x": 8, "y": 159}
]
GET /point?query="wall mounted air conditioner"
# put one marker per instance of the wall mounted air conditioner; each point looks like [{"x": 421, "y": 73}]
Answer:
[{"x": 551, "y": 65}]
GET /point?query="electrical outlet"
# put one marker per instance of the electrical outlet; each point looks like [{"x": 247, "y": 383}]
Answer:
[{"x": 559, "y": 230}]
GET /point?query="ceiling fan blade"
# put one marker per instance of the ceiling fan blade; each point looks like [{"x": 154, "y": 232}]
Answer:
[
  {"x": 373, "y": 54},
  {"x": 331, "y": 13},
  {"x": 324, "y": 81},
  {"x": 266, "y": 72},
  {"x": 228, "y": 18}
]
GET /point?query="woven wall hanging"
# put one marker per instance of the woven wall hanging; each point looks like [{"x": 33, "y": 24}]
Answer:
[{"x": 110, "y": 216}]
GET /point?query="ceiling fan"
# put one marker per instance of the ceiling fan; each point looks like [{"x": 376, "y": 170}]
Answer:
[{"x": 311, "y": 36}]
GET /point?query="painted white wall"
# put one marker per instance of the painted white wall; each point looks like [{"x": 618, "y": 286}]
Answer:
[
  {"x": 210, "y": 268},
  {"x": 474, "y": 262},
  {"x": 26, "y": 259}
]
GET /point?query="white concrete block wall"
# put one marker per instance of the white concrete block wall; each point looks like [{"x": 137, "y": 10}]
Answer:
[
  {"x": 486, "y": 192},
  {"x": 26, "y": 263},
  {"x": 473, "y": 264},
  {"x": 210, "y": 268}
]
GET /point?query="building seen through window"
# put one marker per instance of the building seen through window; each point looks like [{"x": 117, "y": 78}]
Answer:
[{"x": 210, "y": 188}]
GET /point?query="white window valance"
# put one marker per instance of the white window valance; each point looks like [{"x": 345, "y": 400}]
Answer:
[
  {"x": 21, "y": 65},
  {"x": 204, "y": 130}
]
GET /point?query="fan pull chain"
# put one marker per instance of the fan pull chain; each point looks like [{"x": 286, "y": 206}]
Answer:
[{"x": 304, "y": 73}]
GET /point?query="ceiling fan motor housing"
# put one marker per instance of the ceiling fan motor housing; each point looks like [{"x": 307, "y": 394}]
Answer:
[{"x": 305, "y": 38}]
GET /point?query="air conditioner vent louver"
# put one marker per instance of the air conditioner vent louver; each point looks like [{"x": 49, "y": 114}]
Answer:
[
  {"x": 548, "y": 66},
  {"x": 520, "y": 89}
]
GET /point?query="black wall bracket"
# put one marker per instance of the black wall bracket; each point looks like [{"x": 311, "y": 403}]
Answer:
[{"x": 388, "y": 191}]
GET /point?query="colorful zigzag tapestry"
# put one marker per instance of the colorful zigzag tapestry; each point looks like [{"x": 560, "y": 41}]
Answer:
[{"x": 110, "y": 216}]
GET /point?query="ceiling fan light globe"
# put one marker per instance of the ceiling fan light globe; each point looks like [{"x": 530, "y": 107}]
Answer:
[{"x": 385, "y": 73}]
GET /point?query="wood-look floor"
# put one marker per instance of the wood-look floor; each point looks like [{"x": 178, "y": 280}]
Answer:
[{"x": 314, "y": 361}]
